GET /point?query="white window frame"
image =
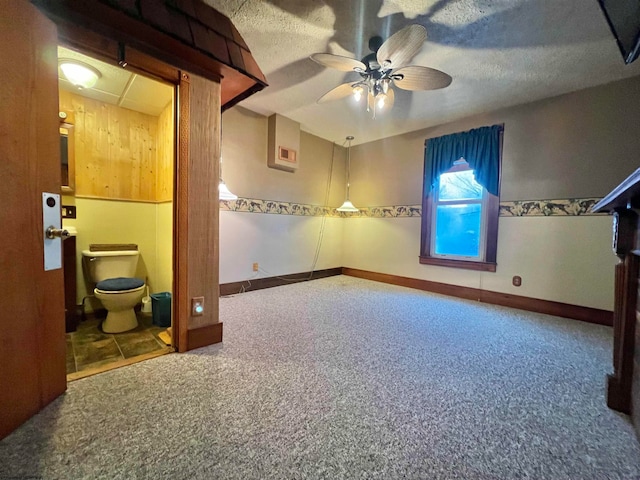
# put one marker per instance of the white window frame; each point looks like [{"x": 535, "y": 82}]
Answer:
[{"x": 460, "y": 166}]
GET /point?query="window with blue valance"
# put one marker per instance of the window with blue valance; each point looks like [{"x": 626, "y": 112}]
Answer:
[
  {"x": 480, "y": 147},
  {"x": 461, "y": 199}
]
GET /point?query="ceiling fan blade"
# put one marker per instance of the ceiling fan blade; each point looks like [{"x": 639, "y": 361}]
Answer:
[
  {"x": 401, "y": 47},
  {"x": 337, "y": 93},
  {"x": 344, "y": 64},
  {"x": 420, "y": 78}
]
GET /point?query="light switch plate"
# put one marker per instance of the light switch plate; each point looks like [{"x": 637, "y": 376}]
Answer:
[{"x": 197, "y": 306}]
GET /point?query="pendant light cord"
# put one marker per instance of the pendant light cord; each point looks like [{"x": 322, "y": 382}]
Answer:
[
  {"x": 348, "y": 166},
  {"x": 324, "y": 217},
  {"x": 323, "y": 224}
]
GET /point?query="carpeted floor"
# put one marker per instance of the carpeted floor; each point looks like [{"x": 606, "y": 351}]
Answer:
[{"x": 346, "y": 378}]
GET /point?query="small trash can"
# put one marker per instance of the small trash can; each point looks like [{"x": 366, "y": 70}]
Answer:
[{"x": 161, "y": 309}]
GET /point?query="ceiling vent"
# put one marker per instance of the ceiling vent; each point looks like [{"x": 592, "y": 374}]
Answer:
[{"x": 283, "y": 143}]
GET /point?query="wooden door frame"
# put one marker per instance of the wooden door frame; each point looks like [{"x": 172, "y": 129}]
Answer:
[{"x": 102, "y": 48}]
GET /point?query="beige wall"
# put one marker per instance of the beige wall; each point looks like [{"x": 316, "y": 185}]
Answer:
[
  {"x": 163, "y": 281},
  {"x": 577, "y": 145},
  {"x": 280, "y": 244},
  {"x": 562, "y": 259},
  {"x": 245, "y": 171},
  {"x": 573, "y": 146}
]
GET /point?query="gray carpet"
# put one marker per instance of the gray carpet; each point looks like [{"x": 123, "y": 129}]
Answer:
[{"x": 346, "y": 378}]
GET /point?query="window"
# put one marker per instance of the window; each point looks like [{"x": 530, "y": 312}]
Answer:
[{"x": 460, "y": 216}]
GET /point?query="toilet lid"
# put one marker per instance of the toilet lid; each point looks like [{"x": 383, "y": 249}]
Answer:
[{"x": 118, "y": 284}]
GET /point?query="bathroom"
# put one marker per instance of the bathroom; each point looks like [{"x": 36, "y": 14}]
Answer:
[{"x": 118, "y": 195}]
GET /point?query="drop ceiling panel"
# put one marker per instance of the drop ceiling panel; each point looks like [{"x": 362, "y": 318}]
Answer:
[
  {"x": 92, "y": 93},
  {"x": 146, "y": 96}
]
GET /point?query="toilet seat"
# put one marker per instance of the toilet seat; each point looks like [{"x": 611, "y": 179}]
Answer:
[{"x": 119, "y": 284}]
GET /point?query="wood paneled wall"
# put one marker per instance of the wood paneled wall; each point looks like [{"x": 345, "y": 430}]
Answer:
[
  {"x": 120, "y": 154},
  {"x": 165, "y": 155}
]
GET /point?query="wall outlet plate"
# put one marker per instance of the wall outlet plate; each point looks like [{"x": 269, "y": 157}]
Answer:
[{"x": 68, "y": 211}]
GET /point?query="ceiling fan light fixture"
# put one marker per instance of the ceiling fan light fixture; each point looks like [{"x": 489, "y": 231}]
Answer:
[
  {"x": 383, "y": 70},
  {"x": 357, "y": 92},
  {"x": 79, "y": 73}
]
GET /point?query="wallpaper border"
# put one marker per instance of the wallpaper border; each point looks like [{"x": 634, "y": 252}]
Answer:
[{"x": 519, "y": 208}]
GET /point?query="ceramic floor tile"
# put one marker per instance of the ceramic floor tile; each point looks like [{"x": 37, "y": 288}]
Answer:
[
  {"x": 97, "y": 351},
  {"x": 137, "y": 343},
  {"x": 88, "y": 347},
  {"x": 71, "y": 361},
  {"x": 101, "y": 363},
  {"x": 91, "y": 323},
  {"x": 80, "y": 338}
]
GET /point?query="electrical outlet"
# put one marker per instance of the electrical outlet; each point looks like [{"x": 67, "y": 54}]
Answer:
[
  {"x": 197, "y": 306},
  {"x": 255, "y": 267},
  {"x": 517, "y": 281}
]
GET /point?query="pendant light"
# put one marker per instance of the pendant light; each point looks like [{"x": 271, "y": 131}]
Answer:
[
  {"x": 347, "y": 206},
  {"x": 223, "y": 191}
]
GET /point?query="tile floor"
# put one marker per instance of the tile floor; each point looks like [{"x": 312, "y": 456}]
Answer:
[{"x": 89, "y": 348}]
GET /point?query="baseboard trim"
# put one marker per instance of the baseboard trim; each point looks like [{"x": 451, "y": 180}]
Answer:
[
  {"x": 203, "y": 336},
  {"x": 576, "y": 312},
  {"x": 268, "y": 282}
]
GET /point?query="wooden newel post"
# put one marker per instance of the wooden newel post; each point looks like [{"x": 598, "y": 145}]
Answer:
[{"x": 623, "y": 392}]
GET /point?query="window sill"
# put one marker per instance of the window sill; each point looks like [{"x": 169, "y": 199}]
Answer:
[{"x": 465, "y": 264}]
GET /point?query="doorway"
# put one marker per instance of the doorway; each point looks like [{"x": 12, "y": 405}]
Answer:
[{"x": 119, "y": 134}]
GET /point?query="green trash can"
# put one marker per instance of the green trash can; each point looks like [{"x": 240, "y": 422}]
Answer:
[{"x": 161, "y": 309}]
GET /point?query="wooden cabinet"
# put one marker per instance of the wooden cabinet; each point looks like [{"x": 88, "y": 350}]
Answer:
[{"x": 69, "y": 267}]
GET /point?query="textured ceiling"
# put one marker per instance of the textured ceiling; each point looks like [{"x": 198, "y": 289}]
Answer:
[{"x": 499, "y": 53}]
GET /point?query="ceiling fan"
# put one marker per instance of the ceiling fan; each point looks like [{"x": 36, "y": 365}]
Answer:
[{"x": 384, "y": 68}]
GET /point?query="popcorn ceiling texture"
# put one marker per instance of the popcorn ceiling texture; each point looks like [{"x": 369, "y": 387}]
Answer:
[
  {"x": 346, "y": 378},
  {"x": 500, "y": 53}
]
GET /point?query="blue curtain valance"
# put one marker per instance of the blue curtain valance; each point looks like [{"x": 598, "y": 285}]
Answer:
[{"x": 480, "y": 147}]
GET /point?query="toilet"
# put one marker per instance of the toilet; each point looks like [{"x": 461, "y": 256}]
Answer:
[{"x": 116, "y": 287}]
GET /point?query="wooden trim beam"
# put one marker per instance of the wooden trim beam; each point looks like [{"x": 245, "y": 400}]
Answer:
[
  {"x": 181, "y": 308},
  {"x": 548, "y": 307}
]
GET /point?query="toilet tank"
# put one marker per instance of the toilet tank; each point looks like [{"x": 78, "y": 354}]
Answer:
[{"x": 104, "y": 265}]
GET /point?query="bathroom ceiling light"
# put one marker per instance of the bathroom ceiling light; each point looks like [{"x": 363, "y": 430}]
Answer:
[
  {"x": 78, "y": 73},
  {"x": 347, "y": 206}
]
